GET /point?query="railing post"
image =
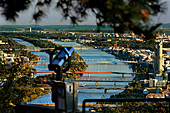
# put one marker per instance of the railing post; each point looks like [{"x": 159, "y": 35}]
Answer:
[
  {"x": 122, "y": 75},
  {"x": 114, "y": 83},
  {"x": 105, "y": 91},
  {"x": 84, "y": 107}
]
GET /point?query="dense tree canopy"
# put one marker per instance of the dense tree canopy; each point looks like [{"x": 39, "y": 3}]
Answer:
[{"x": 122, "y": 15}]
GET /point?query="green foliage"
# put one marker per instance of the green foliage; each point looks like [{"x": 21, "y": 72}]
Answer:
[
  {"x": 135, "y": 107},
  {"x": 16, "y": 85},
  {"x": 7, "y": 28},
  {"x": 10, "y": 87},
  {"x": 146, "y": 107},
  {"x": 11, "y": 44},
  {"x": 136, "y": 85}
]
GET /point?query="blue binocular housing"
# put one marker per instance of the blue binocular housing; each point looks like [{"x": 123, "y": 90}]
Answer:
[{"x": 62, "y": 56}]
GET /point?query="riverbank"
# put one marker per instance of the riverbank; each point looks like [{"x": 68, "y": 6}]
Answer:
[
  {"x": 75, "y": 66},
  {"x": 21, "y": 73},
  {"x": 16, "y": 74}
]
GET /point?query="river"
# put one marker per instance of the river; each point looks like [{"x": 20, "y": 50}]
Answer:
[{"x": 90, "y": 55}]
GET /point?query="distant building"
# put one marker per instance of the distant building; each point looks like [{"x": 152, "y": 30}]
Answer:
[
  {"x": 2, "y": 42},
  {"x": 155, "y": 95},
  {"x": 158, "y": 61},
  {"x": 30, "y": 29},
  {"x": 152, "y": 90},
  {"x": 26, "y": 59},
  {"x": 109, "y": 40},
  {"x": 9, "y": 57},
  {"x": 161, "y": 83},
  {"x": 152, "y": 82}
]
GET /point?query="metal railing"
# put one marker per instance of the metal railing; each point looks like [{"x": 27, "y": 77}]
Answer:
[{"x": 133, "y": 105}]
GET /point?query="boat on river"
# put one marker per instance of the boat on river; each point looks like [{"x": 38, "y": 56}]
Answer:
[{"x": 83, "y": 85}]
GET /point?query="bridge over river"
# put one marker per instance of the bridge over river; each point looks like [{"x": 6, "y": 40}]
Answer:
[
  {"x": 92, "y": 61},
  {"x": 95, "y": 79},
  {"x": 104, "y": 88},
  {"x": 121, "y": 76},
  {"x": 104, "y": 79}
]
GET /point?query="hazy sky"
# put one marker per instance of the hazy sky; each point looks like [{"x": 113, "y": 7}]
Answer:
[{"x": 55, "y": 18}]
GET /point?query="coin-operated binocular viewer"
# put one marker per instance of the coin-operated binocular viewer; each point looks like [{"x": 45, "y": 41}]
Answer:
[{"x": 64, "y": 93}]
